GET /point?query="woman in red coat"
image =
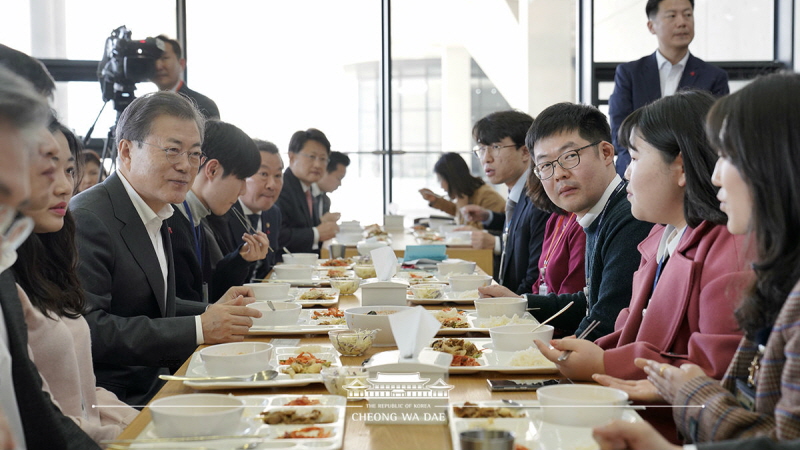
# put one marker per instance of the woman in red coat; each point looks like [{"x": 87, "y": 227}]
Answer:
[{"x": 692, "y": 270}]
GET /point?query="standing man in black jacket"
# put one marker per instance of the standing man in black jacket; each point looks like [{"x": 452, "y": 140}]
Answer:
[{"x": 169, "y": 68}]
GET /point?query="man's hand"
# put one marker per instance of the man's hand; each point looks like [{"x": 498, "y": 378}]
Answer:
[
  {"x": 331, "y": 217},
  {"x": 228, "y": 320},
  {"x": 474, "y": 213},
  {"x": 621, "y": 435},
  {"x": 428, "y": 195},
  {"x": 482, "y": 239},
  {"x": 255, "y": 248},
  {"x": 496, "y": 290},
  {"x": 585, "y": 360},
  {"x": 327, "y": 230}
]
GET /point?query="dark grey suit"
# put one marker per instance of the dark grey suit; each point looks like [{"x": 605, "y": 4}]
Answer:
[
  {"x": 135, "y": 331},
  {"x": 44, "y": 426},
  {"x": 297, "y": 233}
]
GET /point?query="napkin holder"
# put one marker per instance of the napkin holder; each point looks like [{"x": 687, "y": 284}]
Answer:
[
  {"x": 384, "y": 293},
  {"x": 408, "y": 391}
]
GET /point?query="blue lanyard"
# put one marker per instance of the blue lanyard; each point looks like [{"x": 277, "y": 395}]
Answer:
[{"x": 195, "y": 235}]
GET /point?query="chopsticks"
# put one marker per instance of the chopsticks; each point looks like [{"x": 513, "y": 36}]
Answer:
[
  {"x": 248, "y": 227},
  {"x": 589, "y": 329}
]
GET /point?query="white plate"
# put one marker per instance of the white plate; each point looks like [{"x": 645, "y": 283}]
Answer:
[
  {"x": 321, "y": 267},
  {"x": 254, "y": 430},
  {"x": 531, "y": 432},
  {"x": 197, "y": 369},
  {"x": 498, "y": 361},
  {"x": 297, "y": 292},
  {"x": 305, "y": 325},
  {"x": 475, "y": 325}
]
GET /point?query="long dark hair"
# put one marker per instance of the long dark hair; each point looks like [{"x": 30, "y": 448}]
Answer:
[
  {"x": 756, "y": 129},
  {"x": 674, "y": 126},
  {"x": 46, "y": 267},
  {"x": 453, "y": 170}
]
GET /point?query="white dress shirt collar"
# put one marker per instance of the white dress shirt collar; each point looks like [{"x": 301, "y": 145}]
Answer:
[
  {"x": 597, "y": 209},
  {"x": 669, "y": 241},
  {"x": 519, "y": 187}
]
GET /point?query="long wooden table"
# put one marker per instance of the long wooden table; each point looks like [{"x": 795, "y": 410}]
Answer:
[
  {"x": 358, "y": 434},
  {"x": 400, "y": 239}
]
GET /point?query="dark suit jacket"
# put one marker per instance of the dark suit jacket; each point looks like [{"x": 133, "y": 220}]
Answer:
[
  {"x": 44, "y": 426},
  {"x": 637, "y": 83},
  {"x": 189, "y": 276},
  {"x": 296, "y": 226},
  {"x": 325, "y": 203},
  {"x": 228, "y": 233},
  {"x": 520, "y": 264},
  {"x": 204, "y": 104},
  {"x": 136, "y": 331}
]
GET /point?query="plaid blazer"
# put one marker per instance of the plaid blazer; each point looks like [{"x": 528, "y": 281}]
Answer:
[{"x": 777, "y": 408}]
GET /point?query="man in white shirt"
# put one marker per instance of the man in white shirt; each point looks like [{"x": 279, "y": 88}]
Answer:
[
  {"x": 660, "y": 74},
  {"x": 139, "y": 328}
]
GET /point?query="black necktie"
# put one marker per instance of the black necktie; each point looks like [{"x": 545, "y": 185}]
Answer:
[{"x": 254, "y": 220}]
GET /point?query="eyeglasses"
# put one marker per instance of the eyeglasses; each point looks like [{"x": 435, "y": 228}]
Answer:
[
  {"x": 174, "y": 155},
  {"x": 315, "y": 158},
  {"x": 494, "y": 149},
  {"x": 567, "y": 160}
]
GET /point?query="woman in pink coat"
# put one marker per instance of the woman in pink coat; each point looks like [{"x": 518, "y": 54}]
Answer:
[{"x": 692, "y": 270}]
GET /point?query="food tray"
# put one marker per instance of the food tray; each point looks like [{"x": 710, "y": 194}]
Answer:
[
  {"x": 298, "y": 292},
  {"x": 476, "y": 325},
  {"x": 325, "y": 351},
  {"x": 531, "y": 432},
  {"x": 254, "y": 431},
  {"x": 305, "y": 325},
  {"x": 498, "y": 361}
]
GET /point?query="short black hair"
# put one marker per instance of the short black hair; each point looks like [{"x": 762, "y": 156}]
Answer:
[
  {"x": 28, "y": 68},
  {"x": 651, "y": 9},
  {"x": 176, "y": 46},
  {"x": 336, "y": 158},
  {"x": 266, "y": 146},
  {"x": 299, "y": 139},
  {"x": 232, "y": 147},
  {"x": 502, "y": 124},
  {"x": 587, "y": 120}
]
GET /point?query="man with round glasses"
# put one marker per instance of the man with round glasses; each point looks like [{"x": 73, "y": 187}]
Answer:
[
  {"x": 505, "y": 160},
  {"x": 139, "y": 328},
  {"x": 574, "y": 158}
]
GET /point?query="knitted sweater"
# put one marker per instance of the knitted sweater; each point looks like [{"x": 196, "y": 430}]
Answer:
[{"x": 612, "y": 257}]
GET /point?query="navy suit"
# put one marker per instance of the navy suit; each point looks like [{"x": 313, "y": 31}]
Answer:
[
  {"x": 43, "y": 424},
  {"x": 297, "y": 224},
  {"x": 637, "y": 83},
  {"x": 206, "y": 106},
  {"x": 520, "y": 264},
  {"x": 228, "y": 233},
  {"x": 137, "y": 331}
]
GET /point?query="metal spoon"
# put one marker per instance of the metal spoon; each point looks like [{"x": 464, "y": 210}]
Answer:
[
  {"x": 553, "y": 316},
  {"x": 287, "y": 251},
  {"x": 271, "y": 306},
  {"x": 264, "y": 375}
]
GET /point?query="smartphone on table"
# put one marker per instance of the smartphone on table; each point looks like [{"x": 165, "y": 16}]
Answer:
[{"x": 520, "y": 385}]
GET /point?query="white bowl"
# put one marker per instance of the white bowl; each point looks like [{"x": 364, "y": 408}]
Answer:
[
  {"x": 513, "y": 338},
  {"x": 357, "y": 318},
  {"x": 286, "y": 313},
  {"x": 349, "y": 238},
  {"x": 458, "y": 238},
  {"x": 364, "y": 247},
  {"x": 306, "y": 259},
  {"x": 500, "y": 306},
  {"x": 469, "y": 282},
  {"x": 595, "y": 404},
  {"x": 191, "y": 415},
  {"x": 460, "y": 267},
  {"x": 293, "y": 271},
  {"x": 427, "y": 291},
  {"x": 236, "y": 358},
  {"x": 269, "y": 291}
]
